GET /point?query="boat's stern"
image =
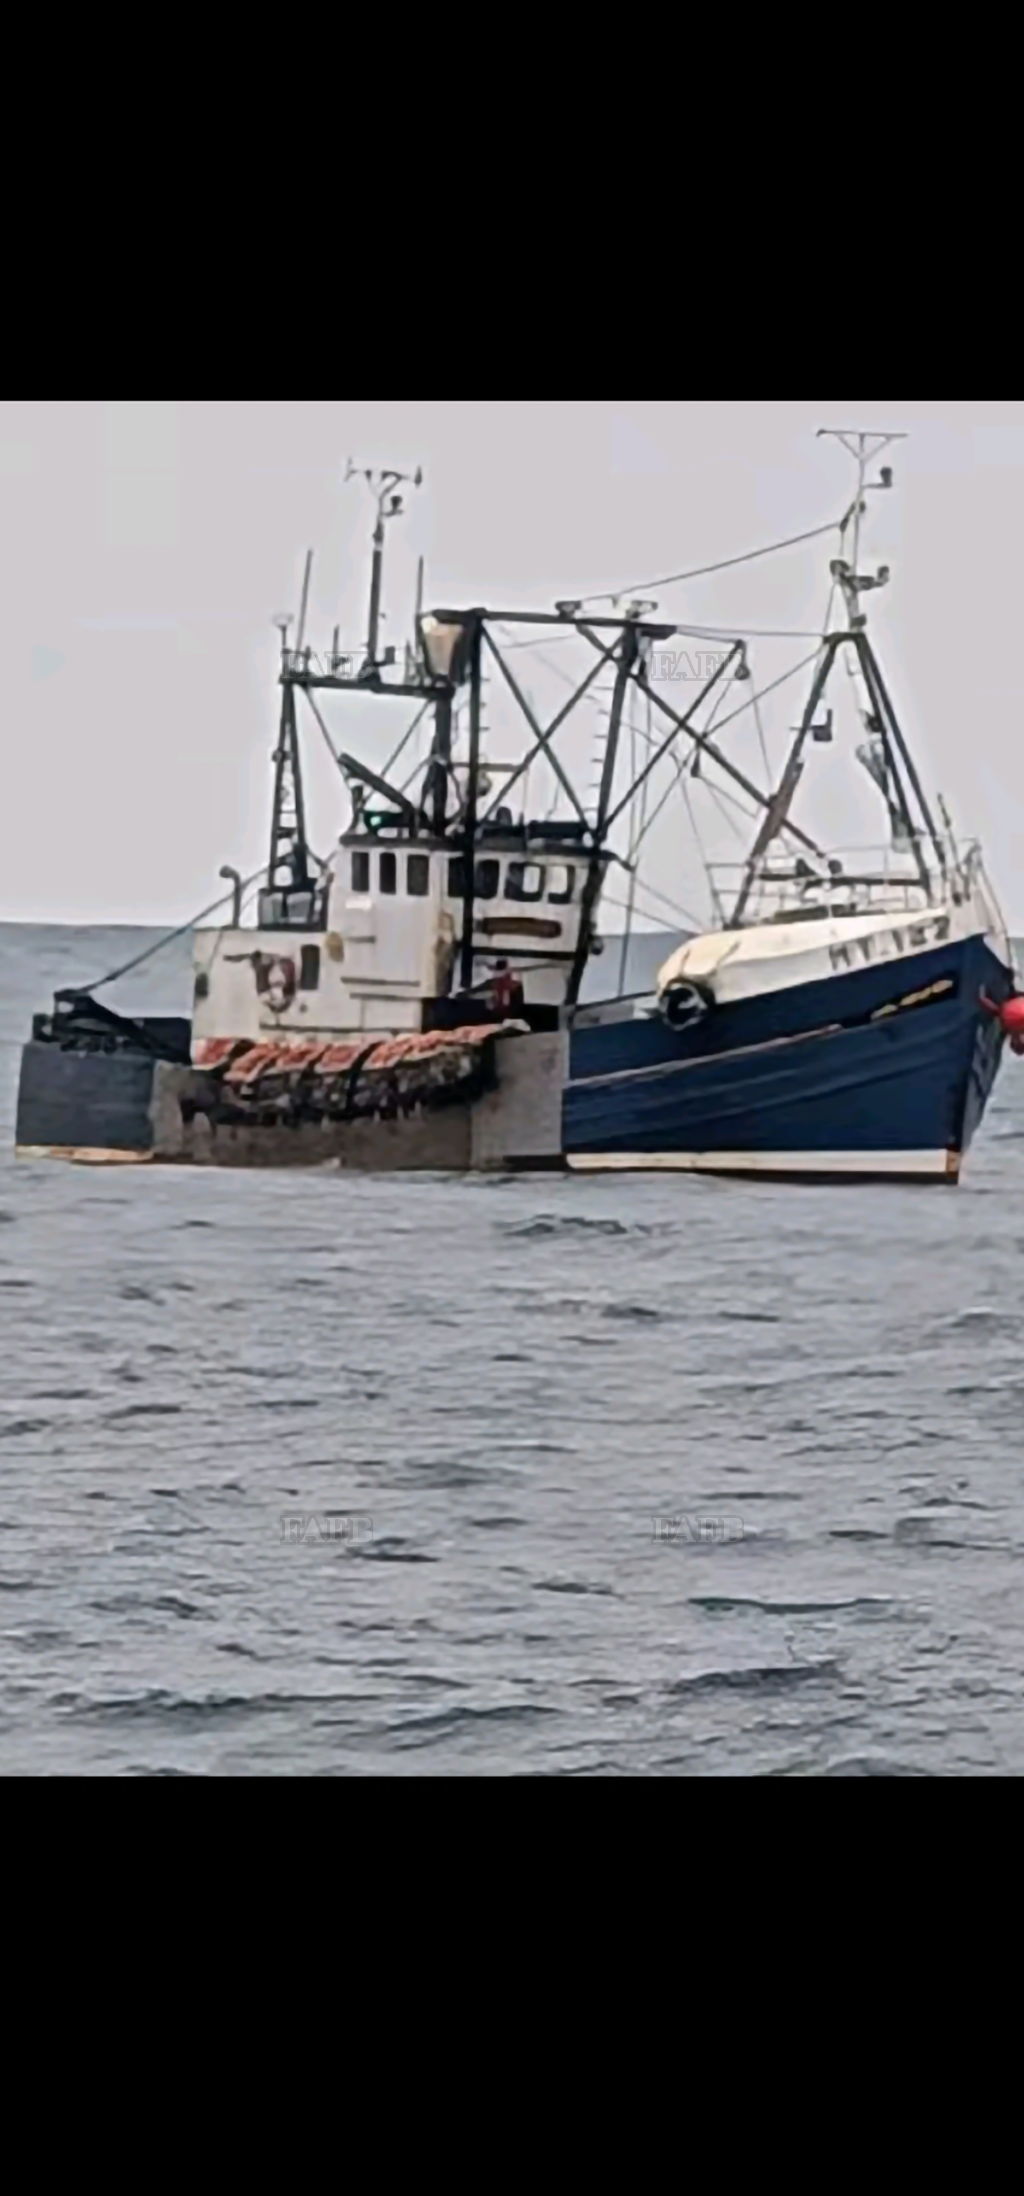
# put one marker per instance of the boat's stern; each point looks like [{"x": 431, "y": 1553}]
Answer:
[{"x": 87, "y": 1085}]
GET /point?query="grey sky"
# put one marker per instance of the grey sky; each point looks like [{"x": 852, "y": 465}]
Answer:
[{"x": 146, "y": 547}]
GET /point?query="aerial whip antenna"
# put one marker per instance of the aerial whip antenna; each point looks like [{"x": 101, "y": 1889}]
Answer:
[
  {"x": 304, "y": 604},
  {"x": 383, "y": 485},
  {"x": 417, "y": 646}
]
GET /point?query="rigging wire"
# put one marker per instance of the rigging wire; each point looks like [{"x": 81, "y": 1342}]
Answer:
[
  {"x": 714, "y": 723},
  {"x": 608, "y": 899},
  {"x": 652, "y": 820},
  {"x": 742, "y": 631},
  {"x": 682, "y": 778},
  {"x": 739, "y": 631},
  {"x": 655, "y": 813},
  {"x": 794, "y": 669},
  {"x": 634, "y": 827},
  {"x": 246, "y": 896},
  {"x": 413, "y": 775},
  {"x": 702, "y": 855},
  {"x": 720, "y": 796},
  {"x": 392, "y": 759},
  {"x": 718, "y": 793},
  {"x": 725, "y": 564},
  {"x": 675, "y": 906},
  {"x": 404, "y": 741},
  {"x": 169, "y": 936},
  {"x": 642, "y": 825},
  {"x": 762, "y": 742},
  {"x": 758, "y": 696},
  {"x": 679, "y": 763},
  {"x": 681, "y": 774},
  {"x": 325, "y": 734}
]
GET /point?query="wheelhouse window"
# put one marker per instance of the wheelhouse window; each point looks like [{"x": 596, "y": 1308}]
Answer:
[
  {"x": 524, "y": 880},
  {"x": 486, "y": 880},
  {"x": 360, "y": 871},
  {"x": 291, "y": 907},
  {"x": 561, "y": 883},
  {"x": 417, "y": 875},
  {"x": 309, "y": 968},
  {"x": 388, "y": 872}
]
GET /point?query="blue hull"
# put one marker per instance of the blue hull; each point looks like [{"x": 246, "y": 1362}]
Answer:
[{"x": 883, "y": 1070}]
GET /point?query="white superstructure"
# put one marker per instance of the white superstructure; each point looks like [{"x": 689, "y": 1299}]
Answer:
[{"x": 380, "y": 939}]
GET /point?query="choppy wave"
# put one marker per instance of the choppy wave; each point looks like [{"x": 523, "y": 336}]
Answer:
[{"x": 605, "y": 1476}]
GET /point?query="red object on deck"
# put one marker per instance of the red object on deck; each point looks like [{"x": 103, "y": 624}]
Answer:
[
  {"x": 215, "y": 1052},
  {"x": 252, "y": 1063},
  {"x": 334, "y": 1057}
]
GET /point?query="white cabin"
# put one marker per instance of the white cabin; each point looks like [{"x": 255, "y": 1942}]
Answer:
[{"x": 375, "y": 947}]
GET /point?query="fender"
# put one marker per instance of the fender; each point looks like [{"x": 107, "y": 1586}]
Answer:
[{"x": 683, "y": 1003}]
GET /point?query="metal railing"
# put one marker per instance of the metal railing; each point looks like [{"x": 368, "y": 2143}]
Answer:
[{"x": 861, "y": 880}]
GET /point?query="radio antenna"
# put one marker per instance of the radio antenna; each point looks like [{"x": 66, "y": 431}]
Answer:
[
  {"x": 384, "y": 485},
  {"x": 864, "y": 447},
  {"x": 304, "y": 605}
]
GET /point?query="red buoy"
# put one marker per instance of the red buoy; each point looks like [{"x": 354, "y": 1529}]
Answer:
[{"x": 1010, "y": 1016}]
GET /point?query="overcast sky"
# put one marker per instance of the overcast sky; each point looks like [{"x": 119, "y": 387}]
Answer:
[{"x": 147, "y": 547}]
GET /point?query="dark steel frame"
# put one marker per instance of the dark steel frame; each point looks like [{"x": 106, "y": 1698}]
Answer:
[
  {"x": 901, "y": 773},
  {"x": 623, "y": 643}
]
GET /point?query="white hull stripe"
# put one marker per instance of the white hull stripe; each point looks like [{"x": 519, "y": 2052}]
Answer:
[{"x": 938, "y": 1164}]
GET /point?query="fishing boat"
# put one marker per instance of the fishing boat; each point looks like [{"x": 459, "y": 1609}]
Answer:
[{"x": 437, "y": 992}]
